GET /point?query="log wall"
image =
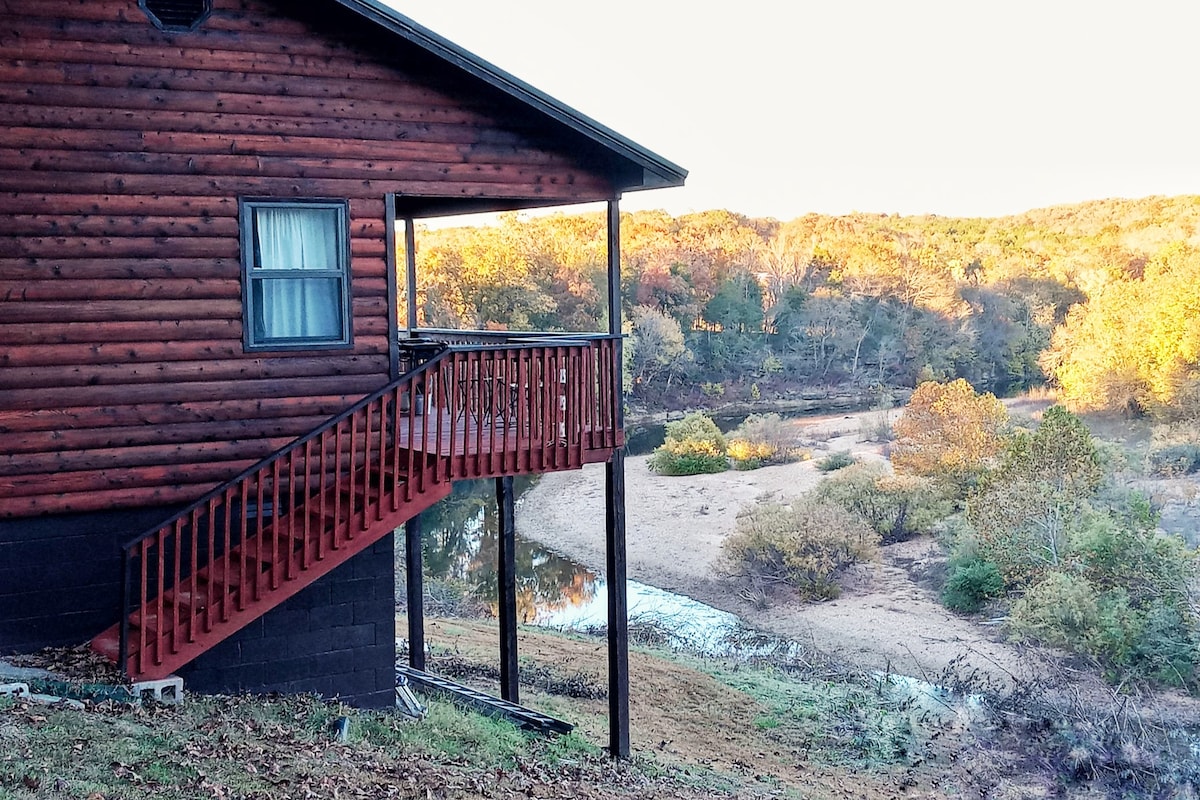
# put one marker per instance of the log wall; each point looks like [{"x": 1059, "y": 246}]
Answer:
[{"x": 123, "y": 152}]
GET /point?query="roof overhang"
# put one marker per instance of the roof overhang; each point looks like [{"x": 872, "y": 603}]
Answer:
[{"x": 650, "y": 170}]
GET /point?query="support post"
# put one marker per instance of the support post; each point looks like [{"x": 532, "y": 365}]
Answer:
[
  {"x": 393, "y": 287},
  {"x": 510, "y": 679},
  {"x": 410, "y": 273},
  {"x": 416, "y": 593},
  {"x": 614, "y": 492}
]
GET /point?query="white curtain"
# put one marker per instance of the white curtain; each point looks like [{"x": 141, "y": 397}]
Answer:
[{"x": 299, "y": 239}]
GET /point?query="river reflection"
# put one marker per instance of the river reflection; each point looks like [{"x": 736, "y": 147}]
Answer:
[{"x": 461, "y": 542}]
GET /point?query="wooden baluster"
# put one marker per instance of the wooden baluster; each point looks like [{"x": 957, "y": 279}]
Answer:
[
  {"x": 381, "y": 469},
  {"x": 589, "y": 378},
  {"x": 479, "y": 382},
  {"x": 306, "y": 507},
  {"x": 243, "y": 547},
  {"x": 290, "y": 521},
  {"x": 556, "y": 404},
  {"x": 212, "y": 557},
  {"x": 337, "y": 487},
  {"x": 160, "y": 638},
  {"x": 143, "y": 604},
  {"x": 353, "y": 469},
  {"x": 576, "y": 410},
  {"x": 176, "y": 587},
  {"x": 366, "y": 481},
  {"x": 275, "y": 520},
  {"x": 524, "y": 398},
  {"x": 601, "y": 388},
  {"x": 323, "y": 494},
  {"x": 449, "y": 365},
  {"x": 259, "y": 525},
  {"x": 227, "y": 502},
  {"x": 429, "y": 381},
  {"x": 194, "y": 603},
  {"x": 394, "y": 483}
]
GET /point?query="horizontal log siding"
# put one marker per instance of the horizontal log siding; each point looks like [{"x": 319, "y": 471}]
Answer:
[{"x": 123, "y": 151}]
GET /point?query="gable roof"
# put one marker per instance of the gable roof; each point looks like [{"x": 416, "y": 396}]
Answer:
[{"x": 656, "y": 172}]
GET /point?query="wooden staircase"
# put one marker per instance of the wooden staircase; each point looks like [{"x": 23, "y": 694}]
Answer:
[{"x": 252, "y": 543}]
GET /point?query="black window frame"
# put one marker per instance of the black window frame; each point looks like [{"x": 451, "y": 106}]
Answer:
[
  {"x": 250, "y": 257},
  {"x": 205, "y": 12}
]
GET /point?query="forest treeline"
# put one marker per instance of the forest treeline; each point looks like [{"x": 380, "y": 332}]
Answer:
[{"x": 1098, "y": 298}]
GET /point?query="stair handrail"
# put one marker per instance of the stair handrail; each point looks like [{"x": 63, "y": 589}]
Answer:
[{"x": 290, "y": 446}]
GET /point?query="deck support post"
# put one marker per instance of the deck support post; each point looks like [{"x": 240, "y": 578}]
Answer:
[
  {"x": 416, "y": 593},
  {"x": 393, "y": 287},
  {"x": 410, "y": 274},
  {"x": 614, "y": 492},
  {"x": 507, "y": 589}
]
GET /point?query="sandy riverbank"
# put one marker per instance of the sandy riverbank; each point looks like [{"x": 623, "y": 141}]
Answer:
[{"x": 884, "y": 619}]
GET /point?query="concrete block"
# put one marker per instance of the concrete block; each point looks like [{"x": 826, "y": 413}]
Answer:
[
  {"x": 15, "y": 690},
  {"x": 168, "y": 691}
]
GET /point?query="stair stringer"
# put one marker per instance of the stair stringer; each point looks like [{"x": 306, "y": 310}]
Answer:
[{"x": 174, "y": 648}]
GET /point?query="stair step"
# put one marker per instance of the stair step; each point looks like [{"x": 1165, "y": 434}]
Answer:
[{"x": 212, "y": 604}]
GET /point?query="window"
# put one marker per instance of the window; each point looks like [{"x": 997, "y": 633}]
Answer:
[
  {"x": 177, "y": 15},
  {"x": 296, "y": 284}
]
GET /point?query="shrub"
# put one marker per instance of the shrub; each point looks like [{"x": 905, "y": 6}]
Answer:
[
  {"x": 835, "y": 461},
  {"x": 1061, "y": 610},
  {"x": 749, "y": 455},
  {"x": 1026, "y": 511},
  {"x": 1154, "y": 641},
  {"x": 803, "y": 545},
  {"x": 1173, "y": 460},
  {"x": 667, "y": 460},
  {"x": 761, "y": 439},
  {"x": 971, "y": 584},
  {"x": 698, "y": 427},
  {"x": 1166, "y": 648},
  {"x": 877, "y": 427},
  {"x": 898, "y": 507},
  {"x": 694, "y": 445}
]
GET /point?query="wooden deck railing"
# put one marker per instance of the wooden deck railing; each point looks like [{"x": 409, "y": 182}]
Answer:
[{"x": 470, "y": 411}]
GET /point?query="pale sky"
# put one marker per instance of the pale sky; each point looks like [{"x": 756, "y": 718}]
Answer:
[{"x": 953, "y": 107}]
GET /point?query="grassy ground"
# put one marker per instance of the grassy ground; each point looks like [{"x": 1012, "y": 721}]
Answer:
[
  {"x": 700, "y": 729},
  {"x": 785, "y": 726},
  {"x": 284, "y": 748}
]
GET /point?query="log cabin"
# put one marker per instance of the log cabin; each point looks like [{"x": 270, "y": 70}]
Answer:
[{"x": 213, "y": 414}]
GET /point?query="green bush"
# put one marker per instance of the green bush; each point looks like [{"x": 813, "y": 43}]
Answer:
[
  {"x": 1167, "y": 647},
  {"x": 803, "y": 545},
  {"x": 1061, "y": 610},
  {"x": 1155, "y": 640},
  {"x": 696, "y": 427},
  {"x": 835, "y": 461},
  {"x": 898, "y": 507},
  {"x": 672, "y": 461},
  {"x": 1173, "y": 460},
  {"x": 694, "y": 445},
  {"x": 972, "y": 584}
]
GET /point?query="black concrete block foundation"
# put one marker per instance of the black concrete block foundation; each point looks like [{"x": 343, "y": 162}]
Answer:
[{"x": 60, "y": 585}]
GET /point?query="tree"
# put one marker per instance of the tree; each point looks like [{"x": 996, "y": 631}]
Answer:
[
  {"x": 738, "y": 305},
  {"x": 949, "y": 432},
  {"x": 658, "y": 347}
]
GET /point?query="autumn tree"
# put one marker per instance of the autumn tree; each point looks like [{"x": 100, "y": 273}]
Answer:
[
  {"x": 1135, "y": 345},
  {"x": 949, "y": 432}
]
